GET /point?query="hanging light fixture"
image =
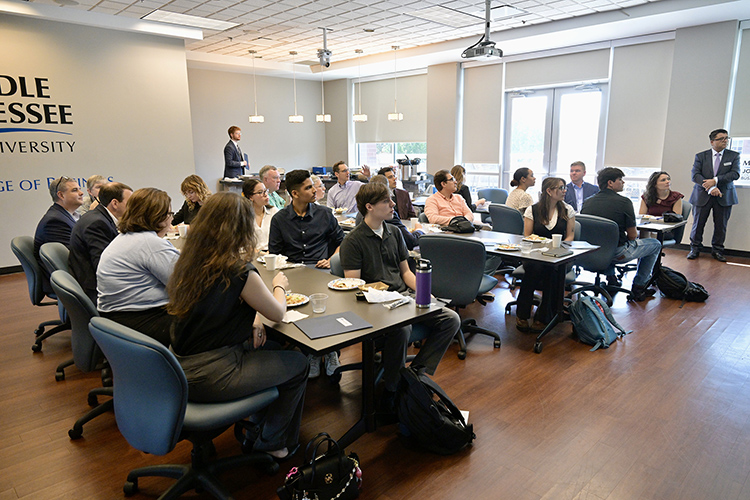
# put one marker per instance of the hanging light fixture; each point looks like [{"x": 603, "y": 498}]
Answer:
[
  {"x": 255, "y": 117},
  {"x": 395, "y": 116},
  {"x": 322, "y": 117},
  {"x": 359, "y": 117},
  {"x": 295, "y": 118}
]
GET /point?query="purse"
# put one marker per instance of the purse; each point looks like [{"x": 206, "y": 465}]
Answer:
[
  {"x": 459, "y": 224},
  {"x": 330, "y": 476},
  {"x": 672, "y": 217}
]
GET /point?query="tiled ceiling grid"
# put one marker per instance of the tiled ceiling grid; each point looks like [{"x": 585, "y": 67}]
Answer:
[{"x": 273, "y": 28}]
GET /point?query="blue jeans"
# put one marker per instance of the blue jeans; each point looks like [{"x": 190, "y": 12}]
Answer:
[{"x": 646, "y": 250}]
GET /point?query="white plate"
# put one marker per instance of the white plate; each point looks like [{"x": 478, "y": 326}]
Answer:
[
  {"x": 305, "y": 299},
  {"x": 535, "y": 240},
  {"x": 508, "y": 248},
  {"x": 345, "y": 283}
]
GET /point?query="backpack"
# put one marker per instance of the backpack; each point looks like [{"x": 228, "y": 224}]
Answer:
[
  {"x": 674, "y": 285},
  {"x": 593, "y": 322},
  {"x": 459, "y": 224},
  {"x": 427, "y": 416}
]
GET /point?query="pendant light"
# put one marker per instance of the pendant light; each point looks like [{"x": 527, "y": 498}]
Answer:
[
  {"x": 255, "y": 117},
  {"x": 359, "y": 117},
  {"x": 395, "y": 116},
  {"x": 295, "y": 118},
  {"x": 322, "y": 117}
]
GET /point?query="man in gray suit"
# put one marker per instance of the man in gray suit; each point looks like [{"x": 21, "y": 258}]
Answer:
[{"x": 714, "y": 173}]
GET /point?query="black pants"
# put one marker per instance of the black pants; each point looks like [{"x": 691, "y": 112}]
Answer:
[
  {"x": 721, "y": 219},
  {"x": 154, "y": 322},
  {"x": 535, "y": 278}
]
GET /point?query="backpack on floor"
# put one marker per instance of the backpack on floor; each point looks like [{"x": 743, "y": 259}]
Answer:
[
  {"x": 674, "y": 285},
  {"x": 593, "y": 322},
  {"x": 427, "y": 416}
]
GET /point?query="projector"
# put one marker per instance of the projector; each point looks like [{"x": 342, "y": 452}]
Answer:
[{"x": 483, "y": 49}]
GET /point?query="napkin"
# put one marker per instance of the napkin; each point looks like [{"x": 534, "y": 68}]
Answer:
[
  {"x": 292, "y": 316},
  {"x": 377, "y": 296}
]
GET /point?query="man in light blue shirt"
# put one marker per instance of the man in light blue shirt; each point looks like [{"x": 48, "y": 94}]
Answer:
[
  {"x": 271, "y": 178},
  {"x": 343, "y": 194}
]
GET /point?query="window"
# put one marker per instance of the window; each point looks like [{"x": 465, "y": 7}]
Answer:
[
  {"x": 383, "y": 154},
  {"x": 481, "y": 175}
]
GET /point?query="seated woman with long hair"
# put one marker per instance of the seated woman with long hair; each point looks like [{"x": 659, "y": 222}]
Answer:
[
  {"x": 196, "y": 193},
  {"x": 550, "y": 216},
  {"x": 215, "y": 293},
  {"x": 659, "y": 198},
  {"x": 133, "y": 271},
  {"x": 523, "y": 178},
  {"x": 458, "y": 172},
  {"x": 255, "y": 191}
]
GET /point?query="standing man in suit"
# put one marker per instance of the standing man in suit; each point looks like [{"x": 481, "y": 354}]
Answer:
[
  {"x": 404, "y": 207},
  {"x": 93, "y": 232},
  {"x": 58, "y": 222},
  {"x": 234, "y": 161},
  {"x": 578, "y": 190},
  {"x": 714, "y": 173}
]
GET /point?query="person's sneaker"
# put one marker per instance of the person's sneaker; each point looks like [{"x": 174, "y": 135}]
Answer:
[
  {"x": 332, "y": 362},
  {"x": 639, "y": 293},
  {"x": 314, "y": 366}
]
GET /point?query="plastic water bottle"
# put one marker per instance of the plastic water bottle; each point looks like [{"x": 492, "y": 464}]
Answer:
[{"x": 424, "y": 283}]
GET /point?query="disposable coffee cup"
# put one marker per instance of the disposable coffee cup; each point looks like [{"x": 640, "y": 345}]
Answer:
[
  {"x": 413, "y": 221},
  {"x": 183, "y": 230},
  {"x": 526, "y": 247},
  {"x": 271, "y": 261},
  {"x": 556, "y": 240},
  {"x": 318, "y": 301}
]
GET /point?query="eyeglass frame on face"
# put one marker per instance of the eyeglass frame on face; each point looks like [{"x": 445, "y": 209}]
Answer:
[
  {"x": 60, "y": 181},
  {"x": 562, "y": 188},
  {"x": 722, "y": 139},
  {"x": 265, "y": 191}
]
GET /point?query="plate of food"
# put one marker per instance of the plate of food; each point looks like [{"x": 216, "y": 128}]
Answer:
[
  {"x": 339, "y": 210},
  {"x": 508, "y": 247},
  {"x": 348, "y": 222},
  {"x": 345, "y": 283},
  {"x": 536, "y": 239},
  {"x": 296, "y": 299}
]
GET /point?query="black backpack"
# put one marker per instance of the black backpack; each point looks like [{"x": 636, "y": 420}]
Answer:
[
  {"x": 459, "y": 224},
  {"x": 427, "y": 416},
  {"x": 674, "y": 285}
]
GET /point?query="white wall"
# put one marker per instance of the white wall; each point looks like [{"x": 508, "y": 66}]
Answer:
[
  {"x": 128, "y": 98},
  {"x": 220, "y": 99}
]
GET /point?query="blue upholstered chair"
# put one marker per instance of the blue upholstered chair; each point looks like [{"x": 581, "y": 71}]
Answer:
[
  {"x": 153, "y": 412},
  {"x": 458, "y": 276},
  {"x": 23, "y": 248},
  {"x": 54, "y": 257},
  {"x": 493, "y": 195}
]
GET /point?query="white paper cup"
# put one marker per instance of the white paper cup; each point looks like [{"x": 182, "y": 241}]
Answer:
[
  {"x": 526, "y": 247},
  {"x": 413, "y": 221},
  {"x": 271, "y": 261},
  {"x": 318, "y": 301},
  {"x": 183, "y": 230},
  {"x": 556, "y": 240}
]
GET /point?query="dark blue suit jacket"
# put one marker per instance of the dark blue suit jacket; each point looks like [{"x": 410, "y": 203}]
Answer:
[
  {"x": 729, "y": 171},
  {"x": 589, "y": 190},
  {"x": 232, "y": 161},
  {"x": 55, "y": 226},
  {"x": 91, "y": 235}
]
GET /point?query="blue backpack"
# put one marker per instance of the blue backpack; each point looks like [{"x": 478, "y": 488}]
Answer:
[{"x": 593, "y": 322}]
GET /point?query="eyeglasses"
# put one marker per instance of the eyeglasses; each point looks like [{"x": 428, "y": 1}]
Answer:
[
  {"x": 562, "y": 188},
  {"x": 170, "y": 214},
  {"x": 60, "y": 181},
  {"x": 722, "y": 139},
  {"x": 261, "y": 192}
]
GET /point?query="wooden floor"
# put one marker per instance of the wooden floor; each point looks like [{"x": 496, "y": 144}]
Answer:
[{"x": 664, "y": 414}]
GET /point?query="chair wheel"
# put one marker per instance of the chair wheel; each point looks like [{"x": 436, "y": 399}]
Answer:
[
  {"x": 38, "y": 332},
  {"x": 507, "y": 309},
  {"x": 76, "y": 434},
  {"x": 461, "y": 354},
  {"x": 272, "y": 468},
  {"x": 418, "y": 344},
  {"x": 130, "y": 488},
  {"x": 496, "y": 343},
  {"x": 537, "y": 347},
  {"x": 36, "y": 347},
  {"x": 93, "y": 401},
  {"x": 60, "y": 375}
]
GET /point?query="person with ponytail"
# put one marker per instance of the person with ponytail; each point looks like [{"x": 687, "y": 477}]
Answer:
[{"x": 523, "y": 178}]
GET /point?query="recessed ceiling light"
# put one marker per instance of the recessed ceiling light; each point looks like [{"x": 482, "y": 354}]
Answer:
[{"x": 186, "y": 20}]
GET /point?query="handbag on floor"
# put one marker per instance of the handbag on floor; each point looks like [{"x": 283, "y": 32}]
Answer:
[
  {"x": 329, "y": 476},
  {"x": 674, "y": 285}
]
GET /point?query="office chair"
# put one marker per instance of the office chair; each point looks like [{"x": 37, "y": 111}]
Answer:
[
  {"x": 676, "y": 235},
  {"x": 493, "y": 195},
  {"x": 458, "y": 276},
  {"x": 153, "y": 412},
  {"x": 423, "y": 218},
  {"x": 604, "y": 233},
  {"x": 86, "y": 353},
  {"x": 506, "y": 219},
  {"x": 23, "y": 248},
  {"x": 54, "y": 257}
]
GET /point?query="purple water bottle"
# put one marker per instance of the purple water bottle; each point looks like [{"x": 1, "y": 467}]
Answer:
[{"x": 424, "y": 283}]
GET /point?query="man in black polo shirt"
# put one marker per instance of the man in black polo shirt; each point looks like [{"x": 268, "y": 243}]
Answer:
[
  {"x": 610, "y": 205},
  {"x": 303, "y": 231},
  {"x": 375, "y": 251}
]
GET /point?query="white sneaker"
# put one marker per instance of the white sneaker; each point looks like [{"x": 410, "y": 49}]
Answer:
[
  {"x": 314, "y": 366},
  {"x": 332, "y": 362}
]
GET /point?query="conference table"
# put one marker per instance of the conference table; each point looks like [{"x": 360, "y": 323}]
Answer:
[
  {"x": 557, "y": 265},
  {"x": 308, "y": 280}
]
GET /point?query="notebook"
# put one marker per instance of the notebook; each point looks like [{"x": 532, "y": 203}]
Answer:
[{"x": 332, "y": 324}]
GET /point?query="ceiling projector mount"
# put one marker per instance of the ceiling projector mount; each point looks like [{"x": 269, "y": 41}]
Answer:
[
  {"x": 484, "y": 47},
  {"x": 324, "y": 55}
]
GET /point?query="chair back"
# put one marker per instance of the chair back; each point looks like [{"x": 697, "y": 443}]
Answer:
[
  {"x": 80, "y": 309},
  {"x": 54, "y": 256},
  {"x": 577, "y": 231},
  {"x": 336, "y": 268},
  {"x": 506, "y": 219},
  {"x": 423, "y": 218},
  {"x": 23, "y": 248},
  {"x": 603, "y": 233},
  {"x": 677, "y": 233},
  {"x": 494, "y": 195},
  {"x": 457, "y": 266},
  {"x": 150, "y": 388}
]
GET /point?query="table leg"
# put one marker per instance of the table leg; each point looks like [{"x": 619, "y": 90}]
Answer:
[
  {"x": 367, "y": 422},
  {"x": 559, "y": 277}
]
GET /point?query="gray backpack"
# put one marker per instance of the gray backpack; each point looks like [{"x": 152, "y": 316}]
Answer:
[{"x": 593, "y": 322}]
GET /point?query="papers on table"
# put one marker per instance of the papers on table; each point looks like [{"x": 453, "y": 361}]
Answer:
[
  {"x": 377, "y": 296},
  {"x": 292, "y": 316}
]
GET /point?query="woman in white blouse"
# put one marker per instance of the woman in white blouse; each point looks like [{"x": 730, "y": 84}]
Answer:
[
  {"x": 523, "y": 178},
  {"x": 255, "y": 191}
]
